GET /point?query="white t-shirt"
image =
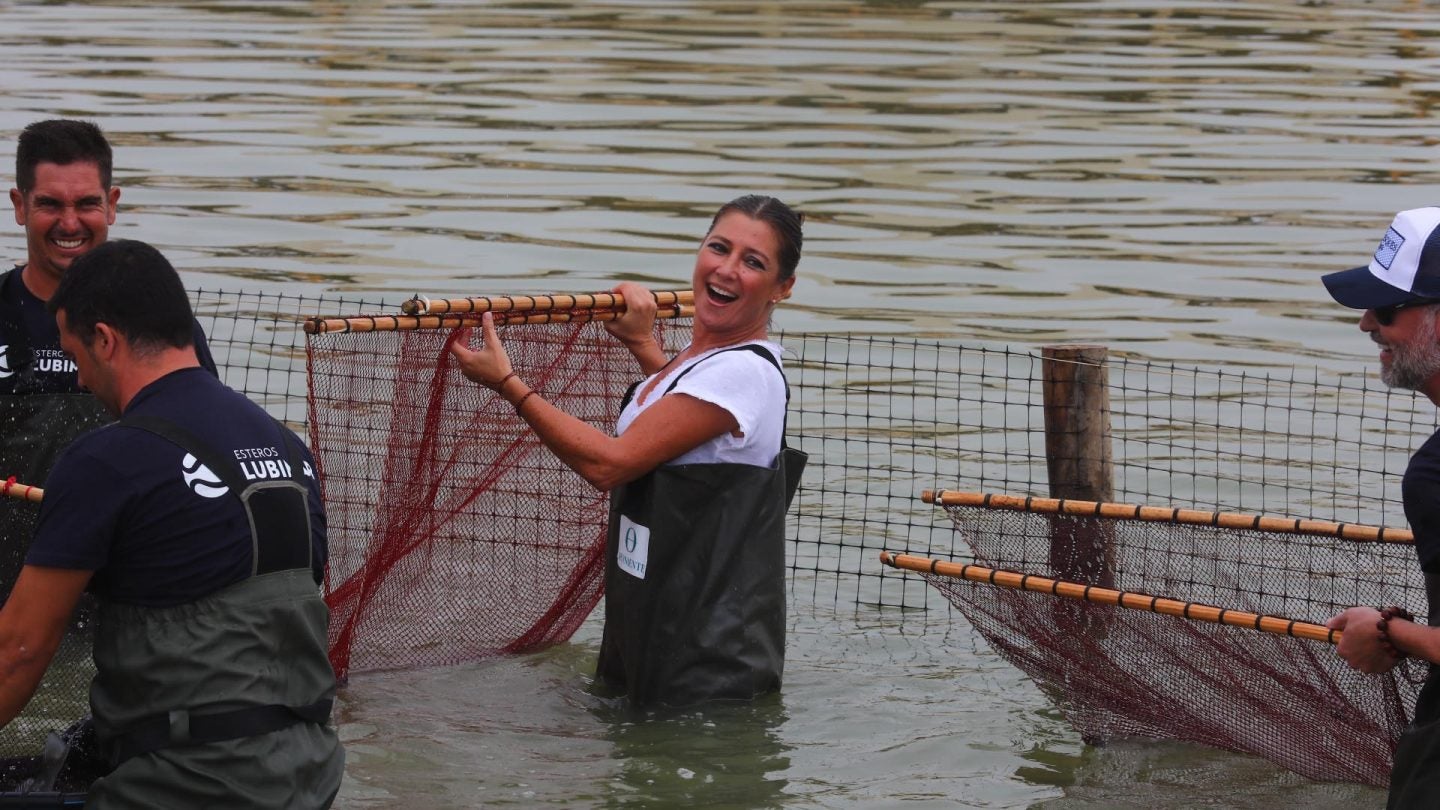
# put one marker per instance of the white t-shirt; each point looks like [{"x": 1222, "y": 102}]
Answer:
[{"x": 744, "y": 384}]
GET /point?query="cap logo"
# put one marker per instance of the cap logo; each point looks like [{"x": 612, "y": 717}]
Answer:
[
  {"x": 1389, "y": 247},
  {"x": 5, "y": 362}
]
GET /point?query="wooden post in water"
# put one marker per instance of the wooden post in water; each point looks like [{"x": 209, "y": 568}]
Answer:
[
  {"x": 1077, "y": 452},
  {"x": 1077, "y": 422}
]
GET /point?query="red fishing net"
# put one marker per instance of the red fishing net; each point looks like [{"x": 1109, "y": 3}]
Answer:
[
  {"x": 454, "y": 533},
  {"x": 1119, "y": 672}
]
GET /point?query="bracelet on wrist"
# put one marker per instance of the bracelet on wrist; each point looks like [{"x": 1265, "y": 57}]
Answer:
[
  {"x": 499, "y": 386},
  {"x": 521, "y": 401},
  {"x": 1383, "y": 626}
]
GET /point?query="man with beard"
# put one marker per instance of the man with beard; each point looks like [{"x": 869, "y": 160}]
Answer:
[{"x": 1400, "y": 293}]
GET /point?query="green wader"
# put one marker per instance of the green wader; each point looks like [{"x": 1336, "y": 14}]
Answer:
[
  {"x": 1415, "y": 777},
  {"x": 695, "y": 580},
  {"x": 34, "y": 428},
  {"x": 695, "y": 585},
  {"x": 223, "y": 702}
]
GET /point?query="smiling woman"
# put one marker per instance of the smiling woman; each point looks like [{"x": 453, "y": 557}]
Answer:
[{"x": 699, "y": 476}]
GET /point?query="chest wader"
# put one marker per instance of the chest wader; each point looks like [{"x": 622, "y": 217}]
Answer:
[
  {"x": 224, "y": 701},
  {"x": 34, "y": 428},
  {"x": 695, "y": 579},
  {"x": 1415, "y": 777}
]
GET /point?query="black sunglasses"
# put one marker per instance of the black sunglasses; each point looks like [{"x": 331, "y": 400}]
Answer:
[{"x": 1385, "y": 316}]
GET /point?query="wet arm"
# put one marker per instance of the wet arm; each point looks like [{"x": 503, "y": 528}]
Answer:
[{"x": 32, "y": 623}]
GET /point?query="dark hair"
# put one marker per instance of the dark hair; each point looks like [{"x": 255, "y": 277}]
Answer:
[
  {"x": 61, "y": 141},
  {"x": 780, "y": 217},
  {"x": 130, "y": 286}
]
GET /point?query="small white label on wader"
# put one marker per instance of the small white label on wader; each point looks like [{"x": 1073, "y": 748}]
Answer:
[{"x": 634, "y": 549}]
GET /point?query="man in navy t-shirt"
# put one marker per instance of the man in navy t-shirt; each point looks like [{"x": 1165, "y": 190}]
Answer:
[
  {"x": 196, "y": 521},
  {"x": 1400, "y": 293},
  {"x": 66, "y": 203}
]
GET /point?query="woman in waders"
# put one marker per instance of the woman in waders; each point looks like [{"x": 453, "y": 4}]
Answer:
[{"x": 694, "y": 559}]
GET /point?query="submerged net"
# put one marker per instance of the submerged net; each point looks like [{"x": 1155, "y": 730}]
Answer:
[
  {"x": 34, "y": 428},
  {"x": 454, "y": 533},
  {"x": 1124, "y": 672}
]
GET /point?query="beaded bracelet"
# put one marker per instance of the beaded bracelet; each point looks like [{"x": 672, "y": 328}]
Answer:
[
  {"x": 1386, "y": 614},
  {"x": 521, "y": 401}
]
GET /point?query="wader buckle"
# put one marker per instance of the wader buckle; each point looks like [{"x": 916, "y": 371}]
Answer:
[{"x": 179, "y": 727}]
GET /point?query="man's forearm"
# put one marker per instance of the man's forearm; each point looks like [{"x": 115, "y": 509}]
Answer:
[
  {"x": 1417, "y": 640},
  {"x": 32, "y": 622}
]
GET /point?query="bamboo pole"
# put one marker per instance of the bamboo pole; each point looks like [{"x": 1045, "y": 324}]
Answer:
[
  {"x": 420, "y": 305},
  {"x": 1167, "y": 514},
  {"x": 1109, "y": 596},
  {"x": 12, "y": 489},
  {"x": 401, "y": 323}
]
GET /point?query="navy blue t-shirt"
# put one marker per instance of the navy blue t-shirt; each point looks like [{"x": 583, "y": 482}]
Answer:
[
  {"x": 156, "y": 526},
  {"x": 1420, "y": 490},
  {"x": 24, "y": 321}
]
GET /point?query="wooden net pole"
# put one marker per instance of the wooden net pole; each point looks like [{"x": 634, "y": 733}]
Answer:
[
  {"x": 1167, "y": 514},
  {"x": 10, "y": 488},
  {"x": 401, "y": 323},
  {"x": 1109, "y": 596},
  {"x": 420, "y": 305}
]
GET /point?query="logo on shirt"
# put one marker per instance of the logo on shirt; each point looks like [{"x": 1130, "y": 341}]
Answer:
[
  {"x": 5, "y": 362},
  {"x": 53, "y": 361},
  {"x": 305, "y": 467},
  {"x": 200, "y": 479}
]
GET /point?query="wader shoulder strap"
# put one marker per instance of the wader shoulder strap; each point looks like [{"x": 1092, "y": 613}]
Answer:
[
  {"x": 769, "y": 358},
  {"x": 794, "y": 459},
  {"x": 751, "y": 347},
  {"x": 279, "y": 520}
]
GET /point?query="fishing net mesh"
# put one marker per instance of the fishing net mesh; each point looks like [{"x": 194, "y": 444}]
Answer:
[
  {"x": 35, "y": 427},
  {"x": 454, "y": 533},
  {"x": 1123, "y": 672}
]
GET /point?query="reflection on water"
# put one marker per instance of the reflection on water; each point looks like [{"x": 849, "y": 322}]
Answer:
[
  {"x": 1144, "y": 774},
  {"x": 724, "y": 754},
  {"x": 1166, "y": 178}
]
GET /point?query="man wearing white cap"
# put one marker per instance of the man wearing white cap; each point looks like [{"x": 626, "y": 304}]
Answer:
[{"x": 1400, "y": 293}]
